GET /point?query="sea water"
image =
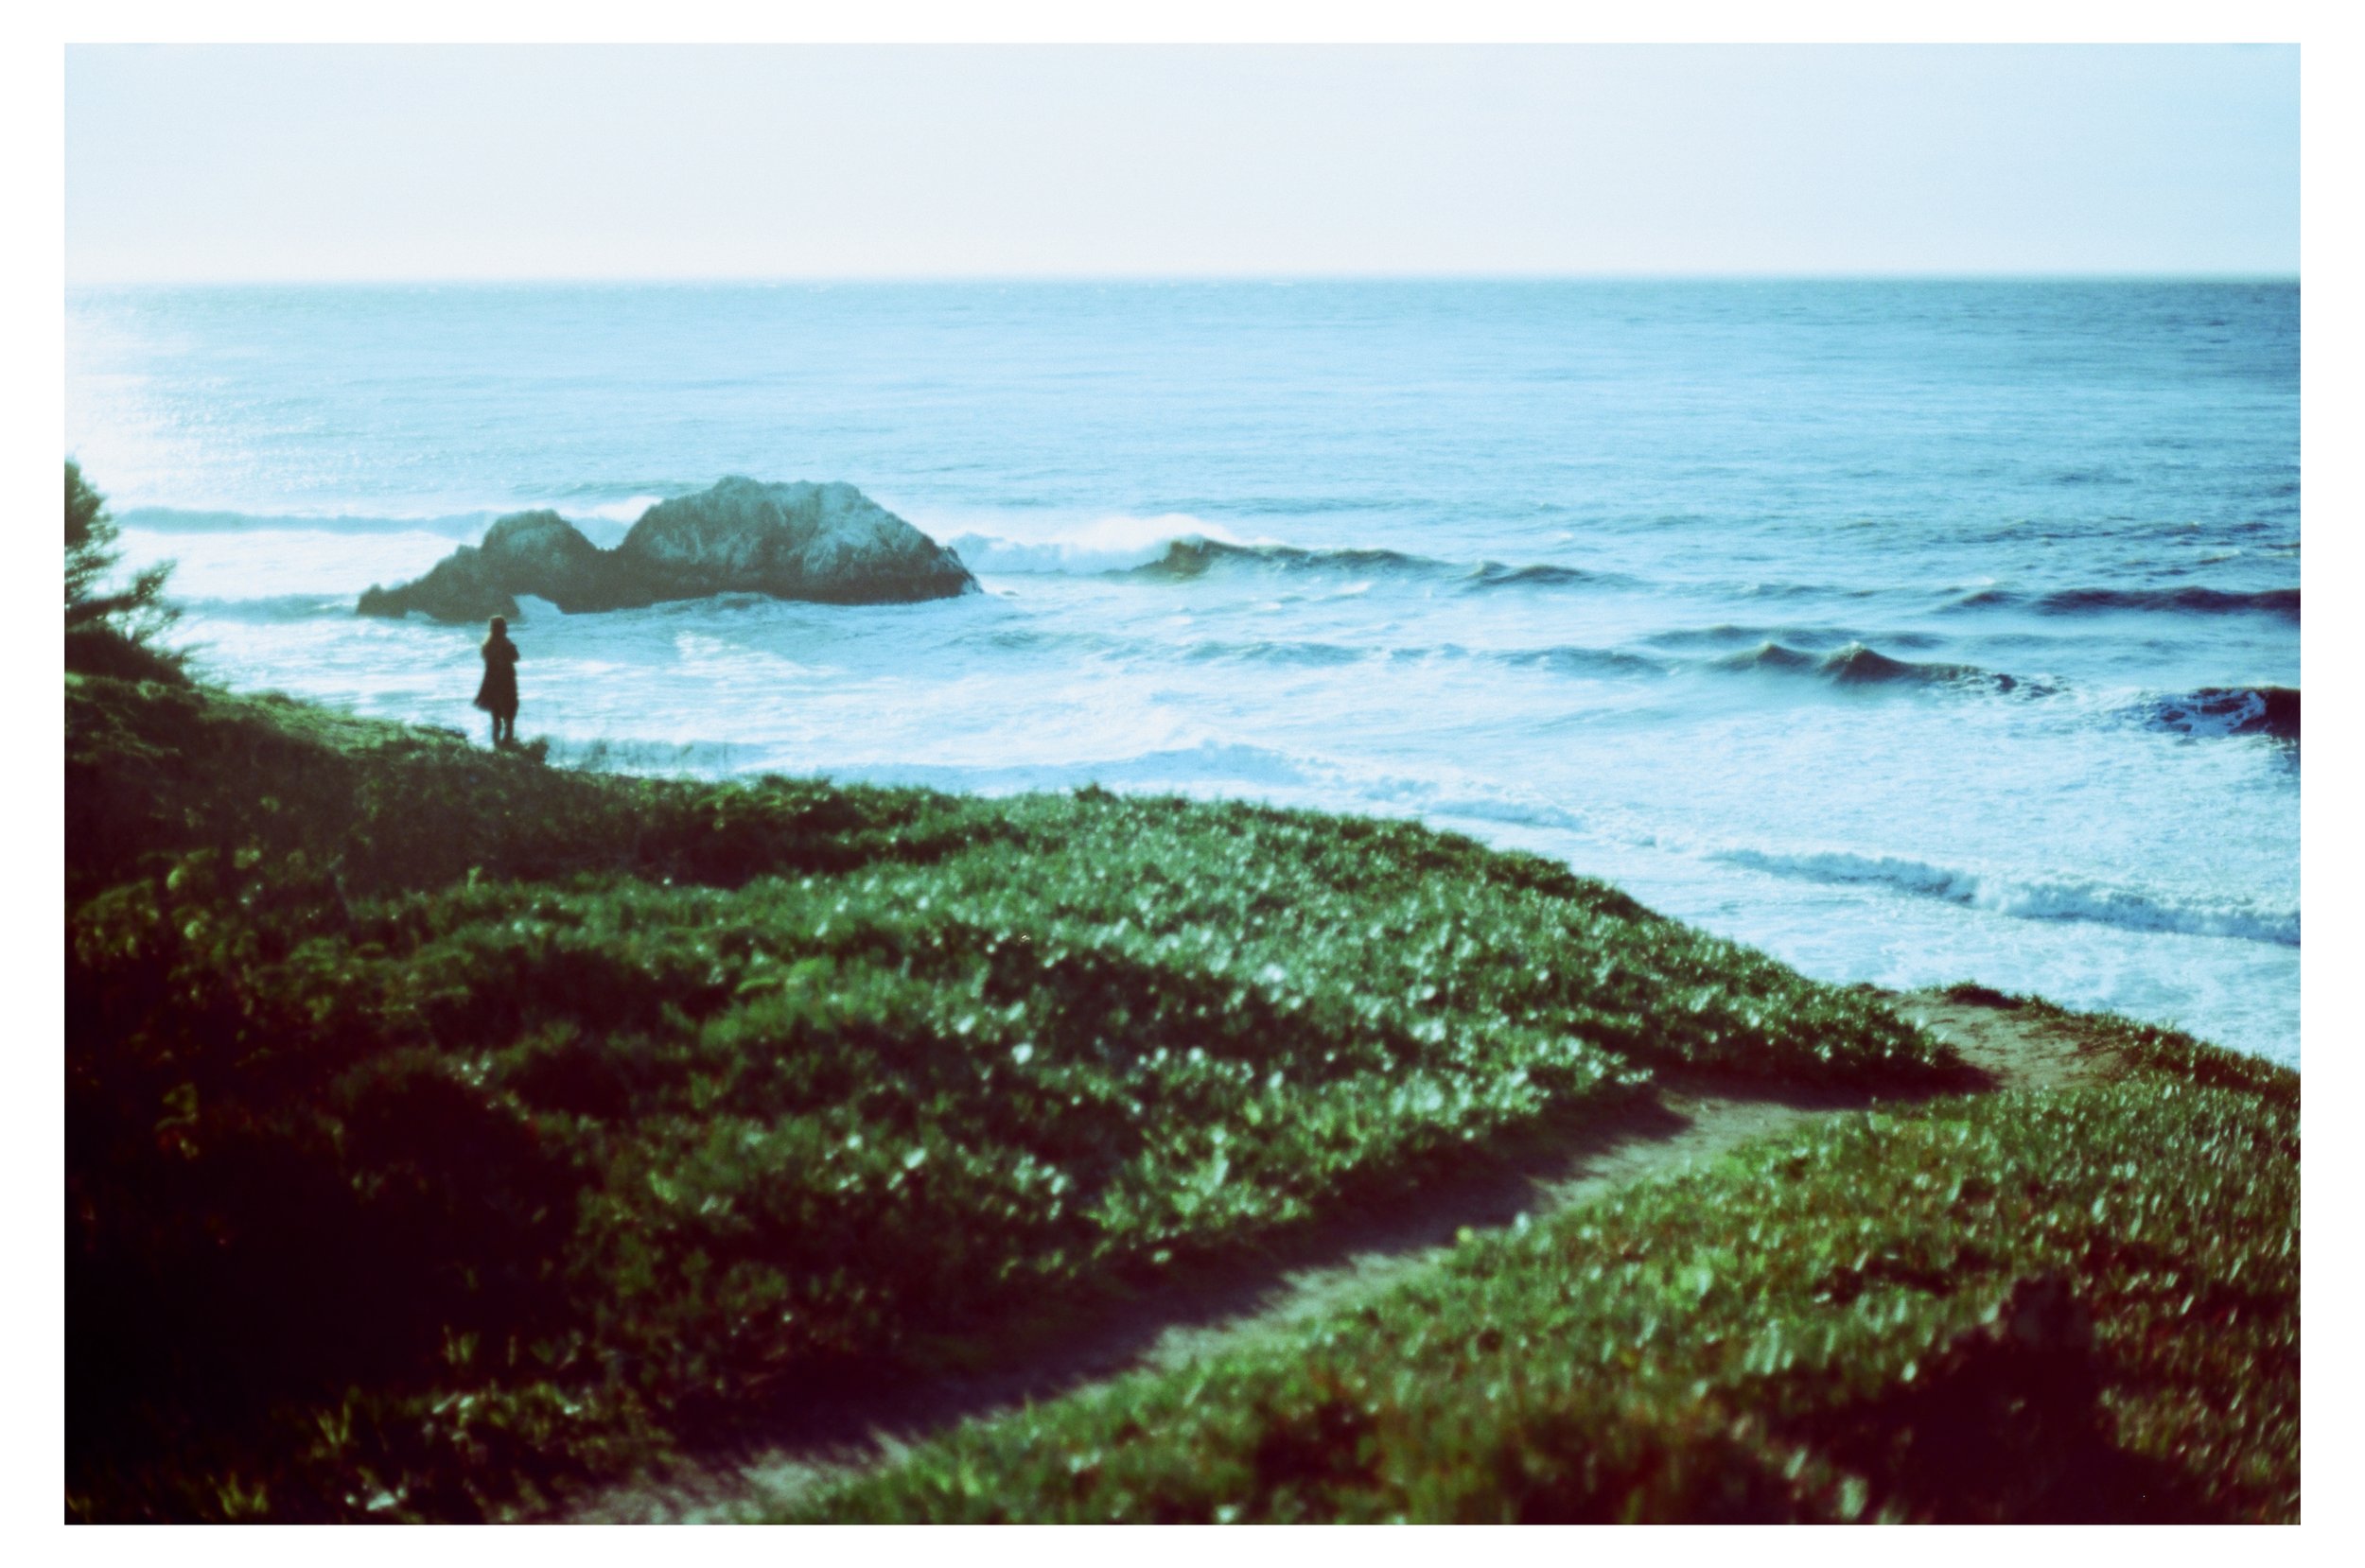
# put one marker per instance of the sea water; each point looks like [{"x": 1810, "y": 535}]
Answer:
[{"x": 1914, "y": 632}]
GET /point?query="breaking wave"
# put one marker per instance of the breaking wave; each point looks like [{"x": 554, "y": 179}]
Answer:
[
  {"x": 2270, "y": 710},
  {"x": 1106, "y": 545}
]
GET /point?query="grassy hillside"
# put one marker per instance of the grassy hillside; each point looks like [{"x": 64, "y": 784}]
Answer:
[
  {"x": 2078, "y": 1306},
  {"x": 443, "y": 1128}
]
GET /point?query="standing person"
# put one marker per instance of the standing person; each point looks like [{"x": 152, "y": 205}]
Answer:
[{"x": 498, "y": 696}]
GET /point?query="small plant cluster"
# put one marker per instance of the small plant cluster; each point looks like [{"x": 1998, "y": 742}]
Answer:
[
  {"x": 445, "y": 1127},
  {"x": 2016, "y": 1307}
]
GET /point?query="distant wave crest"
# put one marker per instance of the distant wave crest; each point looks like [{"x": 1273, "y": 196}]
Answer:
[
  {"x": 1180, "y": 548},
  {"x": 2194, "y": 600},
  {"x": 1187, "y": 559},
  {"x": 2030, "y": 898},
  {"x": 1856, "y": 665},
  {"x": 1573, "y": 660}
]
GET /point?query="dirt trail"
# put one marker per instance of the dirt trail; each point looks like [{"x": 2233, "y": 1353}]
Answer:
[{"x": 1321, "y": 1273}]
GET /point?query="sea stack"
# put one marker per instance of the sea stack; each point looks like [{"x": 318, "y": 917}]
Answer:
[{"x": 827, "y": 542}]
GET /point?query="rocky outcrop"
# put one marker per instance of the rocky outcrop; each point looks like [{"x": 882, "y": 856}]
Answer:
[
  {"x": 827, "y": 543},
  {"x": 2233, "y": 710}
]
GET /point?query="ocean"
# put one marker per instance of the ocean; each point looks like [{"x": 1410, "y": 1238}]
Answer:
[{"x": 1914, "y": 632}]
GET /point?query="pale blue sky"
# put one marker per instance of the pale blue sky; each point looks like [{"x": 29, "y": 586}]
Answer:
[{"x": 352, "y": 162}]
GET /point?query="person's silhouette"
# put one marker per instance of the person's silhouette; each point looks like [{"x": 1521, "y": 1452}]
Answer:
[{"x": 498, "y": 696}]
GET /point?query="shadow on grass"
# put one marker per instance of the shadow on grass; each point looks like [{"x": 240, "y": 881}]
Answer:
[{"x": 2010, "y": 1426}]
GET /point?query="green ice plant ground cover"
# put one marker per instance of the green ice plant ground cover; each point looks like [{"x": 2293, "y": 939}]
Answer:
[
  {"x": 445, "y": 1129},
  {"x": 2075, "y": 1305}
]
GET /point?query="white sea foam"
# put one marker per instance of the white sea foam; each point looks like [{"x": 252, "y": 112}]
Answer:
[
  {"x": 1115, "y": 543},
  {"x": 191, "y": 520},
  {"x": 272, "y": 563},
  {"x": 626, "y": 510}
]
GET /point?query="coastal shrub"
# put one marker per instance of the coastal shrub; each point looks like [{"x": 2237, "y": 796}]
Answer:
[
  {"x": 108, "y": 625},
  {"x": 488, "y": 1123},
  {"x": 2024, "y": 1306}
]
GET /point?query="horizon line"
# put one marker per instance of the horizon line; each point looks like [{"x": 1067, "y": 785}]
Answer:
[{"x": 1275, "y": 278}]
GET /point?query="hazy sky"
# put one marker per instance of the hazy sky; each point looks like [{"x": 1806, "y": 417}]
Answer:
[{"x": 355, "y": 162}]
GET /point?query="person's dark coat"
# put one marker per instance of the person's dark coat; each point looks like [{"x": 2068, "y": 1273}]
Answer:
[{"x": 498, "y": 695}]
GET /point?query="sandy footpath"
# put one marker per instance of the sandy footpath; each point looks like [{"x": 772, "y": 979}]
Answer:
[{"x": 1319, "y": 1273}]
